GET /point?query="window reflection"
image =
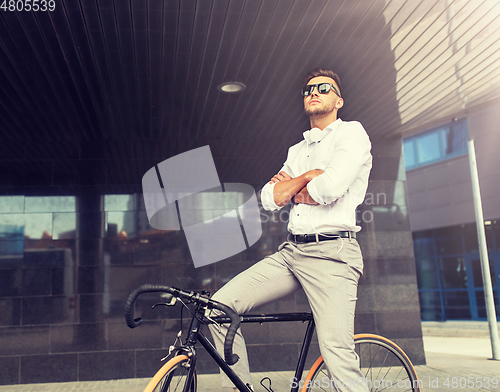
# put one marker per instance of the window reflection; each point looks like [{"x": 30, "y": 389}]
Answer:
[
  {"x": 436, "y": 145},
  {"x": 453, "y": 272},
  {"x": 448, "y": 269},
  {"x": 427, "y": 147},
  {"x": 11, "y": 204},
  {"x": 50, "y": 204},
  {"x": 119, "y": 202},
  {"x": 37, "y": 257},
  {"x": 427, "y": 277}
]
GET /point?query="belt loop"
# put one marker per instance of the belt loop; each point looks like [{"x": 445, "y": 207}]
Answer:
[
  {"x": 350, "y": 232},
  {"x": 317, "y": 238}
]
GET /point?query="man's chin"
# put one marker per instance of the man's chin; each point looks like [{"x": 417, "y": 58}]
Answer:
[{"x": 316, "y": 113}]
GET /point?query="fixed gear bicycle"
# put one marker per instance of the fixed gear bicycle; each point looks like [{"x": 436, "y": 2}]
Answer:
[{"x": 384, "y": 365}]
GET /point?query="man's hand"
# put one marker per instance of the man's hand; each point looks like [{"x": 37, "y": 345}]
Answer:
[
  {"x": 313, "y": 174},
  {"x": 303, "y": 196},
  {"x": 287, "y": 187},
  {"x": 281, "y": 176}
]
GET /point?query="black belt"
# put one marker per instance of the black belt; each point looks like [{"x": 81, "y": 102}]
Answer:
[{"x": 321, "y": 237}]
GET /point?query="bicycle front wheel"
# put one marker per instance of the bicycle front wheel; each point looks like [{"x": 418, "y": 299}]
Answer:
[
  {"x": 172, "y": 376},
  {"x": 384, "y": 365}
]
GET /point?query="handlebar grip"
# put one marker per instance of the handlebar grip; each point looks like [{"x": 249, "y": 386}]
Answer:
[
  {"x": 129, "y": 306},
  {"x": 230, "y": 358}
]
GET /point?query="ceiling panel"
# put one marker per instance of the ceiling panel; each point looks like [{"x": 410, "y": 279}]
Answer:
[{"x": 141, "y": 77}]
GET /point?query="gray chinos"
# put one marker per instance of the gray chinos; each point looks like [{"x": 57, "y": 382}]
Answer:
[{"x": 328, "y": 272}]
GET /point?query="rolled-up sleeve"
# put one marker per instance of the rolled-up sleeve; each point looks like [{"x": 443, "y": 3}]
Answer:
[
  {"x": 348, "y": 158},
  {"x": 267, "y": 192},
  {"x": 267, "y": 198}
]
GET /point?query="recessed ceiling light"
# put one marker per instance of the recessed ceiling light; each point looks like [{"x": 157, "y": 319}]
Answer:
[{"x": 232, "y": 87}]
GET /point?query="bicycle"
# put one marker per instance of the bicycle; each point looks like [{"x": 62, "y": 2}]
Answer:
[{"x": 384, "y": 365}]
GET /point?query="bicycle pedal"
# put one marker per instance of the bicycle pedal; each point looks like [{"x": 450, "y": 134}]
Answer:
[{"x": 266, "y": 388}]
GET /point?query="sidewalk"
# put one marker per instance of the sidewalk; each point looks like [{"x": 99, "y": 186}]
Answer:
[{"x": 457, "y": 353}]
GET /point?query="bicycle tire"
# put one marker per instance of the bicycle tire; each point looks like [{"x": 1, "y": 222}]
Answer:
[
  {"x": 384, "y": 366},
  {"x": 172, "y": 376}
]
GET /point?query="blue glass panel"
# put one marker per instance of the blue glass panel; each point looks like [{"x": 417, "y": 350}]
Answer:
[
  {"x": 409, "y": 153},
  {"x": 427, "y": 277},
  {"x": 449, "y": 241},
  {"x": 428, "y": 148},
  {"x": 430, "y": 306},
  {"x": 455, "y": 141},
  {"x": 453, "y": 272},
  {"x": 456, "y": 305},
  {"x": 424, "y": 247},
  {"x": 436, "y": 145}
]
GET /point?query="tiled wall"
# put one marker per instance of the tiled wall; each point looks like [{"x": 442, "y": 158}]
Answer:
[{"x": 65, "y": 276}]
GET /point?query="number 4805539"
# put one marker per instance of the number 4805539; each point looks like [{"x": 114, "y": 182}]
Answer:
[{"x": 28, "y": 5}]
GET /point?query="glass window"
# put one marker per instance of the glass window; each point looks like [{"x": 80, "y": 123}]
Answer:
[
  {"x": 427, "y": 277},
  {"x": 449, "y": 241},
  {"x": 470, "y": 237},
  {"x": 453, "y": 272},
  {"x": 118, "y": 202},
  {"x": 436, "y": 145},
  {"x": 11, "y": 204},
  {"x": 478, "y": 273},
  {"x": 409, "y": 153},
  {"x": 481, "y": 303},
  {"x": 495, "y": 228},
  {"x": 430, "y": 306},
  {"x": 455, "y": 141},
  {"x": 50, "y": 204},
  {"x": 428, "y": 148},
  {"x": 424, "y": 247},
  {"x": 456, "y": 305}
]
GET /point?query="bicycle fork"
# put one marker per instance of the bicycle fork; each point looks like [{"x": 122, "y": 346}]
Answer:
[{"x": 196, "y": 335}]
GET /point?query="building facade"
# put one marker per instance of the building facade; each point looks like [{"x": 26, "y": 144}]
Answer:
[{"x": 442, "y": 214}]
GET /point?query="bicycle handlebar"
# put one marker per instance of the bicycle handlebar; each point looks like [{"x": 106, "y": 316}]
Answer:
[{"x": 230, "y": 358}]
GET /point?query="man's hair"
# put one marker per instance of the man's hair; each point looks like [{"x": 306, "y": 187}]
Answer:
[{"x": 322, "y": 72}]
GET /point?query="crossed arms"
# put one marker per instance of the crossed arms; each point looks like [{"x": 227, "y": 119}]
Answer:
[{"x": 288, "y": 188}]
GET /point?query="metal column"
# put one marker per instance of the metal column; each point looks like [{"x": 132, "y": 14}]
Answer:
[{"x": 483, "y": 254}]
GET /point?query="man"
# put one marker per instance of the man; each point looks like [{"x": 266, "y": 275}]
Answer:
[{"x": 325, "y": 177}]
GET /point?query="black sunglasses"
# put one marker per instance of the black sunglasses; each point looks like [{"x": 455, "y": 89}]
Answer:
[{"x": 323, "y": 88}]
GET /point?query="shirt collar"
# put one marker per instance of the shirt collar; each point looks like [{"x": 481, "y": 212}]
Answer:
[
  {"x": 330, "y": 127},
  {"x": 333, "y": 125}
]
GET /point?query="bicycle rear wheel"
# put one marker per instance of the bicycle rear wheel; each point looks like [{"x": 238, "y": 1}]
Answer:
[
  {"x": 172, "y": 376},
  {"x": 383, "y": 364}
]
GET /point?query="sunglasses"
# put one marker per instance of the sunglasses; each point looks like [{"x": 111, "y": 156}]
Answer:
[{"x": 323, "y": 88}]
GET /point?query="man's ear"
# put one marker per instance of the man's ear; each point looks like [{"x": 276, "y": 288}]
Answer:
[{"x": 340, "y": 103}]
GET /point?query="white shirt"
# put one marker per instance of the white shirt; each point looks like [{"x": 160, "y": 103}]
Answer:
[{"x": 343, "y": 152}]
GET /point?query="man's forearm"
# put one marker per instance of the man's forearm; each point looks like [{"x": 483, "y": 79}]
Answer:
[
  {"x": 285, "y": 190},
  {"x": 304, "y": 197}
]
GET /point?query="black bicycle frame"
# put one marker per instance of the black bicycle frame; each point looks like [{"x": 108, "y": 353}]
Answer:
[{"x": 196, "y": 335}]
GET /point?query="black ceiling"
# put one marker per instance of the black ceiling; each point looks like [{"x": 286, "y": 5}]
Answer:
[{"x": 101, "y": 90}]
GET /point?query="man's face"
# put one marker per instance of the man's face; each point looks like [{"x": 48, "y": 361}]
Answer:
[{"x": 318, "y": 104}]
